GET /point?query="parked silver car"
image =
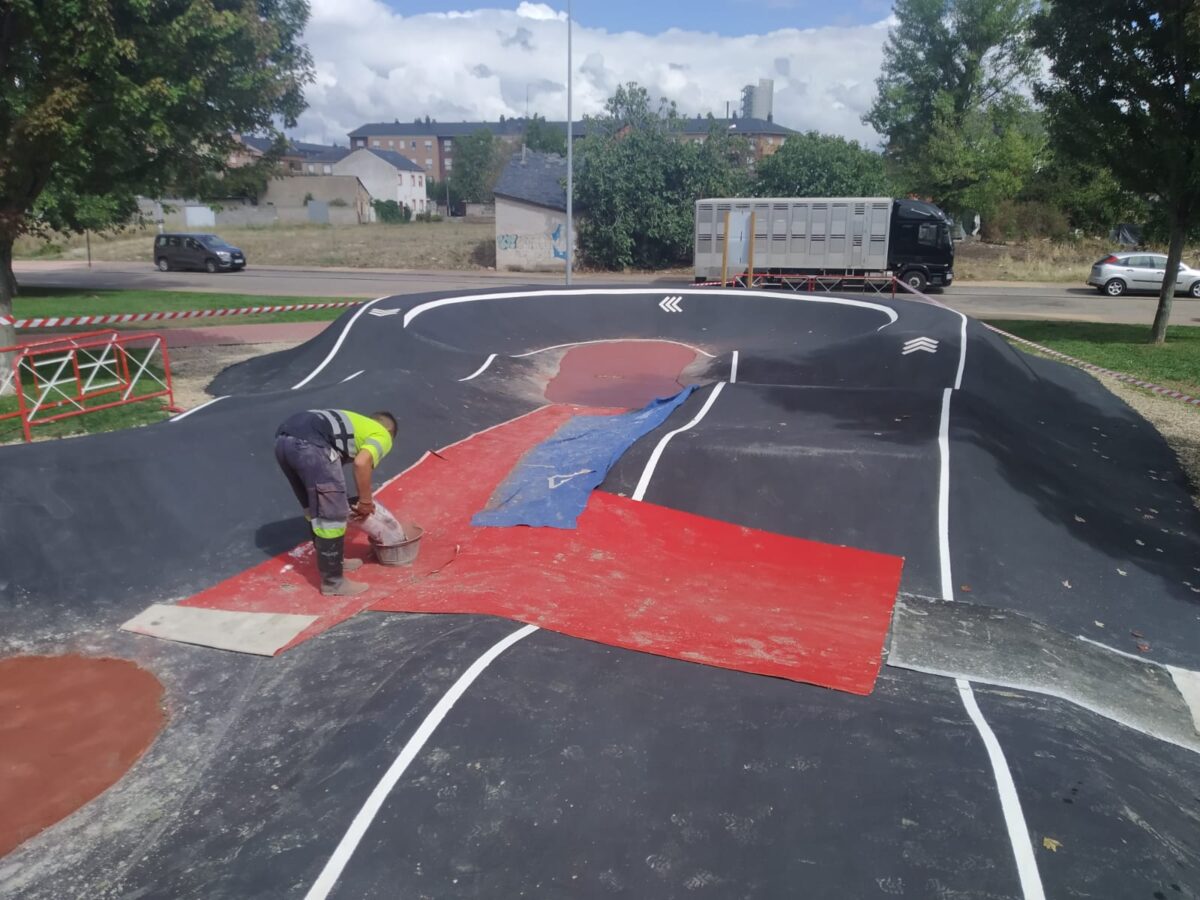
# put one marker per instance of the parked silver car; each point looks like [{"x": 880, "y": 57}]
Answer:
[{"x": 1136, "y": 271}]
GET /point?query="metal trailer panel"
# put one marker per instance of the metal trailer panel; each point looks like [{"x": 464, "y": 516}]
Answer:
[{"x": 799, "y": 234}]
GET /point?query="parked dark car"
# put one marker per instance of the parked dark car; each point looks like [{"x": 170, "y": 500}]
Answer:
[{"x": 196, "y": 251}]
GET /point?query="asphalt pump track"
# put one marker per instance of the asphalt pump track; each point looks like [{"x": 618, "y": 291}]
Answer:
[{"x": 883, "y": 607}]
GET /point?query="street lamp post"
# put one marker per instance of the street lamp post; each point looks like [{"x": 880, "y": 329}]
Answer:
[{"x": 570, "y": 156}]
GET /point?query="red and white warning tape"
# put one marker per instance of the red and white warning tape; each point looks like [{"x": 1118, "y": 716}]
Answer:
[
  {"x": 125, "y": 318},
  {"x": 1100, "y": 370}
]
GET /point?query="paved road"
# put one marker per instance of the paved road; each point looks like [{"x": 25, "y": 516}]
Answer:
[{"x": 982, "y": 300}]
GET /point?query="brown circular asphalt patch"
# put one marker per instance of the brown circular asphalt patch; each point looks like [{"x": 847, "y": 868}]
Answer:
[
  {"x": 70, "y": 726},
  {"x": 619, "y": 373}
]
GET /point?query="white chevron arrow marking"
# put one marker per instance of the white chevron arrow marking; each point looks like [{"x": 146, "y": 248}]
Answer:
[
  {"x": 670, "y": 304},
  {"x": 383, "y": 312},
  {"x": 927, "y": 344}
]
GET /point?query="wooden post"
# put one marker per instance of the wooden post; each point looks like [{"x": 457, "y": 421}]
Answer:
[
  {"x": 87, "y": 235},
  {"x": 750, "y": 255},
  {"x": 725, "y": 251}
]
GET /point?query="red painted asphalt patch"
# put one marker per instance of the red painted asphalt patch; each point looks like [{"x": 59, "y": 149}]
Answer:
[
  {"x": 632, "y": 575},
  {"x": 619, "y": 373}
]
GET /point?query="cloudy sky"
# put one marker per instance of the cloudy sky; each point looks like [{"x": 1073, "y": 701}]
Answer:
[{"x": 378, "y": 60}]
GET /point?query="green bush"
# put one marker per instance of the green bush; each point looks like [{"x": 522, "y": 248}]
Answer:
[
  {"x": 391, "y": 213},
  {"x": 1023, "y": 220}
]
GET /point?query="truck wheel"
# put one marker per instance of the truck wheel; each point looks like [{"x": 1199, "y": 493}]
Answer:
[
  {"x": 163, "y": 265},
  {"x": 915, "y": 280},
  {"x": 1114, "y": 287}
]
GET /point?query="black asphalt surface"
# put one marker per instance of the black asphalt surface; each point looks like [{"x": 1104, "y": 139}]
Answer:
[{"x": 575, "y": 769}]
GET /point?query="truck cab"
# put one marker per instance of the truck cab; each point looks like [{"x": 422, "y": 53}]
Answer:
[{"x": 921, "y": 249}]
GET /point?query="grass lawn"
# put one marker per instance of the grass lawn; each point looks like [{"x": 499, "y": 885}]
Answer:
[
  {"x": 34, "y": 302},
  {"x": 1122, "y": 348}
]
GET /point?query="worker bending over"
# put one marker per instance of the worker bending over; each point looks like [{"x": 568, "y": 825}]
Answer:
[{"x": 311, "y": 448}]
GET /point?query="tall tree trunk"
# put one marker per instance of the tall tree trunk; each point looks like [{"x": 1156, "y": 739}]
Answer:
[
  {"x": 8, "y": 289},
  {"x": 1158, "y": 333}
]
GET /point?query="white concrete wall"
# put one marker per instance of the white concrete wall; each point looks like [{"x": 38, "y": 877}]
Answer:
[
  {"x": 530, "y": 238},
  {"x": 383, "y": 181}
]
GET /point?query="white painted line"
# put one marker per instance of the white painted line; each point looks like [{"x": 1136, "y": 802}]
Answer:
[
  {"x": 263, "y": 634},
  {"x": 196, "y": 409},
  {"x": 1010, "y": 803},
  {"x": 616, "y": 341},
  {"x": 733, "y": 369},
  {"x": 352, "y": 377},
  {"x": 648, "y": 473},
  {"x": 944, "y": 497},
  {"x": 890, "y": 313},
  {"x": 962, "y": 351},
  {"x": 337, "y": 346},
  {"x": 487, "y": 362},
  {"x": 345, "y": 849}
]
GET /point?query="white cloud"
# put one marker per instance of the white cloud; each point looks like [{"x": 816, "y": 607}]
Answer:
[{"x": 375, "y": 65}]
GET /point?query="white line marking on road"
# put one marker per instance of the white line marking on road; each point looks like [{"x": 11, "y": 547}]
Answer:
[
  {"x": 616, "y": 341},
  {"x": 385, "y": 312},
  {"x": 639, "y": 492},
  {"x": 891, "y": 314},
  {"x": 1010, "y": 803},
  {"x": 196, "y": 409},
  {"x": 944, "y": 496},
  {"x": 338, "y": 345},
  {"x": 926, "y": 344},
  {"x": 670, "y": 304},
  {"x": 349, "y": 843},
  {"x": 352, "y": 377},
  {"x": 962, "y": 350},
  {"x": 733, "y": 369},
  {"x": 487, "y": 362}
]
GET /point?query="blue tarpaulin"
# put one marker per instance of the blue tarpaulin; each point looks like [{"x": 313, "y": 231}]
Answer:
[{"x": 551, "y": 484}]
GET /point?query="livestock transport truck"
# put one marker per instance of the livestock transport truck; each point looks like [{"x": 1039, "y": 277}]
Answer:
[{"x": 799, "y": 241}]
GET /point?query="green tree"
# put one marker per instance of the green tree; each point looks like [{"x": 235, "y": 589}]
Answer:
[
  {"x": 637, "y": 183},
  {"x": 478, "y": 161},
  {"x": 540, "y": 135},
  {"x": 1124, "y": 93},
  {"x": 951, "y": 81},
  {"x": 101, "y": 100},
  {"x": 822, "y": 165}
]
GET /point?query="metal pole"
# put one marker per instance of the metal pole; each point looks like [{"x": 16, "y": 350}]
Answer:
[
  {"x": 750, "y": 282},
  {"x": 88, "y": 237},
  {"x": 570, "y": 156},
  {"x": 725, "y": 252}
]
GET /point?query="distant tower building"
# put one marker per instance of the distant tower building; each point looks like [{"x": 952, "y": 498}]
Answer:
[{"x": 758, "y": 102}]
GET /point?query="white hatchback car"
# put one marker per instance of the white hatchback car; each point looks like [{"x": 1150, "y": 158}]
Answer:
[{"x": 1121, "y": 272}]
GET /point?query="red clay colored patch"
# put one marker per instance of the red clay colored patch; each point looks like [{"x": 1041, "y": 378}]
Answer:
[
  {"x": 70, "y": 727},
  {"x": 619, "y": 373}
]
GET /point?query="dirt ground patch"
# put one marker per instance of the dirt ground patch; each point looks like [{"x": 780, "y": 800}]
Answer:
[{"x": 193, "y": 368}]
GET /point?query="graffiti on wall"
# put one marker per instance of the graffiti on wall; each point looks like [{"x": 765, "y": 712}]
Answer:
[{"x": 551, "y": 244}]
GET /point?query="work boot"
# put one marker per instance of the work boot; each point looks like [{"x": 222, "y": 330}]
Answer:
[
  {"x": 351, "y": 565},
  {"x": 330, "y": 564}
]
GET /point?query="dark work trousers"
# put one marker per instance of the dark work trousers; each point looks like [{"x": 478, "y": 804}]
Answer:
[{"x": 317, "y": 481}]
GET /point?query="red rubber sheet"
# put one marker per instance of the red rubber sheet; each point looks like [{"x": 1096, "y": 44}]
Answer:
[{"x": 631, "y": 574}]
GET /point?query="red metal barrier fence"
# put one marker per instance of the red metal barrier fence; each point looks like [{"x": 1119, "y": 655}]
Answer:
[
  {"x": 879, "y": 284},
  {"x": 62, "y": 377}
]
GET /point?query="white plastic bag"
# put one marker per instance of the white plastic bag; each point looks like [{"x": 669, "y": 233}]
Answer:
[{"x": 382, "y": 527}]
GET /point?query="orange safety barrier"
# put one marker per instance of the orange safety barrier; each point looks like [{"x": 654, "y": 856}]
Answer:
[{"x": 71, "y": 373}]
